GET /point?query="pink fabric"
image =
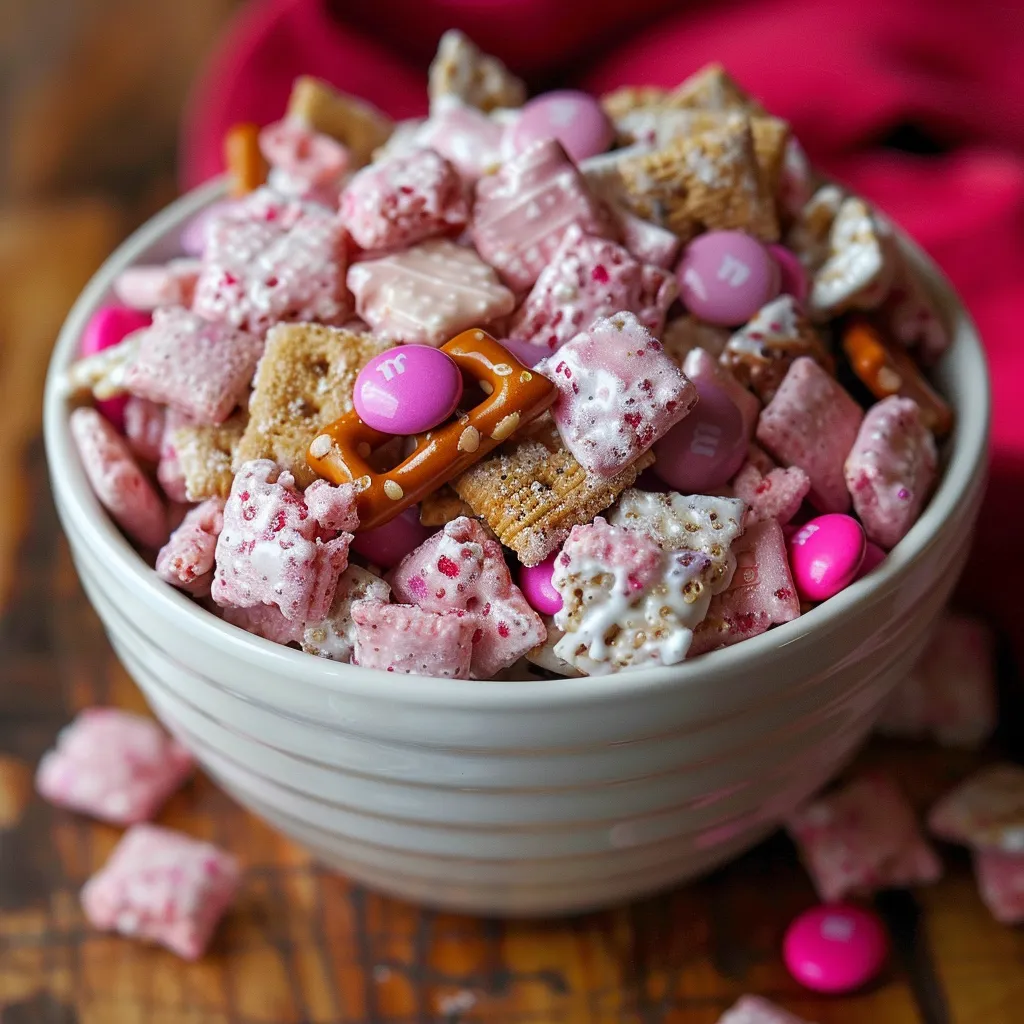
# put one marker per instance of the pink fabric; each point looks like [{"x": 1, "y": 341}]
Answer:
[{"x": 844, "y": 74}]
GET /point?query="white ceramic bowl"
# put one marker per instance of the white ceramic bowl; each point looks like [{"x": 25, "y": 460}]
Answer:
[{"x": 524, "y": 798}]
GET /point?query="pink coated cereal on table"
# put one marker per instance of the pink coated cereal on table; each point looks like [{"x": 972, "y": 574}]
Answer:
[
  {"x": 466, "y": 137},
  {"x": 761, "y": 594},
  {"x": 407, "y": 639},
  {"x": 149, "y": 287},
  {"x": 756, "y": 1010},
  {"x": 187, "y": 559},
  {"x": 1000, "y": 878},
  {"x": 521, "y": 213},
  {"x": 891, "y": 469},
  {"x": 113, "y": 765},
  {"x": 164, "y": 887},
  {"x": 404, "y": 200},
  {"x": 270, "y": 258},
  {"x": 986, "y": 811},
  {"x": 118, "y": 483},
  {"x": 618, "y": 393},
  {"x": 307, "y": 158},
  {"x": 461, "y": 568},
  {"x": 201, "y": 368},
  {"x": 144, "y": 424},
  {"x": 589, "y": 278},
  {"x": 626, "y": 602},
  {"x": 334, "y": 637},
  {"x": 812, "y": 422},
  {"x": 272, "y": 549},
  {"x": 429, "y": 293},
  {"x": 862, "y": 838},
  {"x": 950, "y": 694}
]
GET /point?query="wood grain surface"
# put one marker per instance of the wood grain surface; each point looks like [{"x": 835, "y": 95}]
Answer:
[{"x": 302, "y": 946}]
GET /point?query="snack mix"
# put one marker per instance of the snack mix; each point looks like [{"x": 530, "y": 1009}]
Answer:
[{"x": 570, "y": 386}]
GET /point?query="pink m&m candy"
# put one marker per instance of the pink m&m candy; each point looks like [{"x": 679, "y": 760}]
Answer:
[
  {"x": 725, "y": 277},
  {"x": 793, "y": 276},
  {"x": 408, "y": 390},
  {"x": 874, "y": 556},
  {"x": 107, "y": 327},
  {"x": 574, "y": 118},
  {"x": 387, "y": 545},
  {"x": 525, "y": 351},
  {"x": 535, "y": 583},
  {"x": 835, "y": 948},
  {"x": 703, "y": 451},
  {"x": 825, "y": 555}
]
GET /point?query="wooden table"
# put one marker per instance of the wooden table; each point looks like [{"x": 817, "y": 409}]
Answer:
[{"x": 302, "y": 946}]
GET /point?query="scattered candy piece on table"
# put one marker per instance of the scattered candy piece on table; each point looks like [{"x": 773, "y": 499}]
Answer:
[
  {"x": 335, "y": 636},
  {"x": 1000, "y": 878},
  {"x": 461, "y": 569},
  {"x": 826, "y": 555},
  {"x": 837, "y": 948},
  {"x": 574, "y": 118},
  {"x": 812, "y": 422},
  {"x": 408, "y": 390},
  {"x": 986, "y": 811},
  {"x": 113, "y": 765},
  {"x": 862, "y": 838},
  {"x": 187, "y": 559},
  {"x": 404, "y": 200},
  {"x": 161, "y": 886},
  {"x": 410, "y": 640},
  {"x": 618, "y": 393},
  {"x": 725, "y": 277},
  {"x": 755, "y": 1010},
  {"x": 203, "y": 369},
  {"x": 118, "y": 483},
  {"x": 535, "y": 583}
]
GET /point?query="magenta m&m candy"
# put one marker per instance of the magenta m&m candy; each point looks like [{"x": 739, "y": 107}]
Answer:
[
  {"x": 704, "y": 450},
  {"x": 835, "y": 948},
  {"x": 525, "y": 351},
  {"x": 575, "y": 119},
  {"x": 874, "y": 556},
  {"x": 793, "y": 277},
  {"x": 725, "y": 277},
  {"x": 387, "y": 545},
  {"x": 535, "y": 583},
  {"x": 407, "y": 390},
  {"x": 825, "y": 555},
  {"x": 107, "y": 327}
]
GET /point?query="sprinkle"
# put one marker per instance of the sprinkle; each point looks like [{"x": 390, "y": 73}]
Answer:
[
  {"x": 469, "y": 440},
  {"x": 506, "y": 426}
]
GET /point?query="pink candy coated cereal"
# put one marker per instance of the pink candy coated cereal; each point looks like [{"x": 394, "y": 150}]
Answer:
[
  {"x": 762, "y": 593},
  {"x": 862, "y": 838},
  {"x": 407, "y": 639},
  {"x": 618, "y": 393},
  {"x": 266, "y": 620},
  {"x": 404, "y": 200},
  {"x": 466, "y": 137},
  {"x": 144, "y": 424},
  {"x": 121, "y": 487},
  {"x": 164, "y": 887},
  {"x": 169, "y": 472},
  {"x": 891, "y": 469},
  {"x": 269, "y": 259},
  {"x": 149, "y": 287},
  {"x": 588, "y": 278},
  {"x": 187, "y": 559},
  {"x": 911, "y": 316},
  {"x": 113, "y": 765},
  {"x": 461, "y": 568},
  {"x": 521, "y": 213},
  {"x": 755, "y": 1010},
  {"x": 648, "y": 242},
  {"x": 986, "y": 811},
  {"x": 334, "y": 637},
  {"x": 201, "y": 368},
  {"x": 307, "y": 158},
  {"x": 812, "y": 422},
  {"x": 770, "y": 491},
  {"x": 273, "y": 549},
  {"x": 951, "y": 693},
  {"x": 1000, "y": 879},
  {"x": 626, "y": 602},
  {"x": 429, "y": 293}
]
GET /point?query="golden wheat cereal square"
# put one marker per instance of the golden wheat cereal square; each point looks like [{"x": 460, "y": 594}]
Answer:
[
  {"x": 531, "y": 492},
  {"x": 304, "y": 382},
  {"x": 205, "y": 455},
  {"x": 442, "y": 506},
  {"x": 712, "y": 88}
]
